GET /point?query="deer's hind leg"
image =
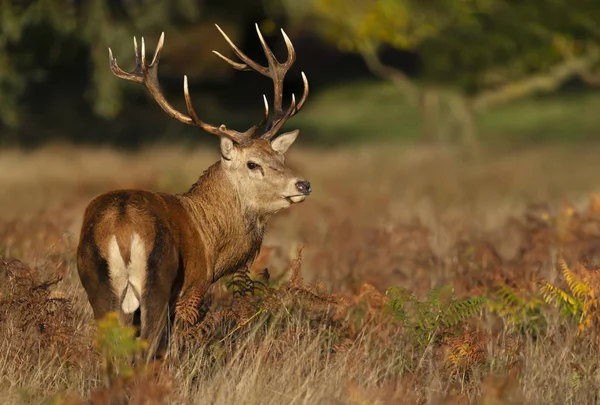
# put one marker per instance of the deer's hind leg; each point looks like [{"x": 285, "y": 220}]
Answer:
[
  {"x": 157, "y": 309},
  {"x": 93, "y": 270}
]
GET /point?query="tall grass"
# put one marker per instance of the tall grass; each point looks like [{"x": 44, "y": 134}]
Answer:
[{"x": 322, "y": 329}]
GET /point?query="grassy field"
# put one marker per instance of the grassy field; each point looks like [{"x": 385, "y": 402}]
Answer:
[
  {"x": 361, "y": 316},
  {"x": 376, "y": 110}
]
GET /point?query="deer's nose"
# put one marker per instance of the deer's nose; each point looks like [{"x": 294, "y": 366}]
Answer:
[{"x": 304, "y": 187}]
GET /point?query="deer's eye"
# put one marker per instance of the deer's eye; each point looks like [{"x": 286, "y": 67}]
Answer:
[{"x": 252, "y": 165}]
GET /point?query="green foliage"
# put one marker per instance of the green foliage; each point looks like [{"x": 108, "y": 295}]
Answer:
[
  {"x": 506, "y": 42},
  {"x": 470, "y": 44},
  {"x": 519, "y": 313},
  {"x": 472, "y": 55},
  {"x": 40, "y": 37},
  {"x": 403, "y": 24},
  {"x": 428, "y": 319},
  {"x": 118, "y": 346}
]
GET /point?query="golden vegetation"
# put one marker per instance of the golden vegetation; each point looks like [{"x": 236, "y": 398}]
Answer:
[{"x": 580, "y": 302}]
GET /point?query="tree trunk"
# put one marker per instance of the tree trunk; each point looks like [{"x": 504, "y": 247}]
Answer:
[
  {"x": 463, "y": 114},
  {"x": 430, "y": 116}
]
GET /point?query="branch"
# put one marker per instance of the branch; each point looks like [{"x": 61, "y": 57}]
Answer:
[
  {"x": 590, "y": 78},
  {"x": 547, "y": 81},
  {"x": 392, "y": 74}
]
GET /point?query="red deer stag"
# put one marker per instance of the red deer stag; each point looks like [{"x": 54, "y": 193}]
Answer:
[{"x": 141, "y": 252}]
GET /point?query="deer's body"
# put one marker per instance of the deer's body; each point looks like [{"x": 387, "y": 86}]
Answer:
[{"x": 143, "y": 252}]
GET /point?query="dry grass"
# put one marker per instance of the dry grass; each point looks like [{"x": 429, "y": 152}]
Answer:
[{"x": 322, "y": 329}]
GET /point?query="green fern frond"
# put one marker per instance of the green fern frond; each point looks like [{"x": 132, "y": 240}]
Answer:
[
  {"x": 426, "y": 319},
  {"x": 399, "y": 297},
  {"x": 460, "y": 310},
  {"x": 510, "y": 297},
  {"x": 400, "y": 294},
  {"x": 518, "y": 310},
  {"x": 439, "y": 295}
]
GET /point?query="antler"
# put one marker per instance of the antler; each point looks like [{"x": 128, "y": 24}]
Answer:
[
  {"x": 148, "y": 76},
  {"x": 276, "y": 71}
]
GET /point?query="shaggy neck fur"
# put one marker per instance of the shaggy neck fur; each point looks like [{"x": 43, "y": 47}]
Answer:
[{"x": 231, "y": 229}]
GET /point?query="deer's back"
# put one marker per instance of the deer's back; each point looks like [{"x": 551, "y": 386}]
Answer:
[
  {"x": 123, "y": 213},
  {"x": 133, "y": 233}
]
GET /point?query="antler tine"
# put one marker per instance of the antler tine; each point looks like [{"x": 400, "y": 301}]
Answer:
[
  {"x": 143, "y": 55},
  {"x": 148, "y": 76},
  {"x": 138, "y": 61},
  {"x": 292, "y": 110},
  {"x": 251, "y": 132},
  {"x": 278, "y": 123},
  {"x": 276, "y": 71},
  {"x": 235, "y": 65},
  {"x": 265, "y": 117},
  {"x": 247, "y": 61},
  {"x": 188, "y": 102},
  {"x": 137, "y": 53},
  {"x": 271, "y": 59},
  {"x": 161, "y": 43},
  {"x": 290, "y": 48},
  {"x": 134, "y": 75},
  {"x": 220, "y": 130},
  {"x": 304, "y": 94}
]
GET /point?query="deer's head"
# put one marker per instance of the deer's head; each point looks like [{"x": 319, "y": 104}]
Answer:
[
  {"x": 258, "y": 171},
  {"x": 253, "y": 160}
]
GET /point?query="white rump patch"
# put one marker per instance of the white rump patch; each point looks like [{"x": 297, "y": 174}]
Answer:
[{"x": 128, "y": 280}]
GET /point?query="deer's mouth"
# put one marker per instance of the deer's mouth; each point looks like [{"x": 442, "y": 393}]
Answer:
[{"x": 295, "y": 198}]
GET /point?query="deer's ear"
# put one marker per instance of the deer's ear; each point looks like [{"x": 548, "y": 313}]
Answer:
[
  {"x": 227, "y": 148},
  {"x": 283, "y": 142}
]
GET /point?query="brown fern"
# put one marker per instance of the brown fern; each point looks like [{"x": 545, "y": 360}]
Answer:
[
  {"x": 41, "y": 316},
  {"x": 187, "y": 309}
]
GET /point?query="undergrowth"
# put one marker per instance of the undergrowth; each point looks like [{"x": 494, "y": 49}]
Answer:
[{"x": 497, "y": 327}]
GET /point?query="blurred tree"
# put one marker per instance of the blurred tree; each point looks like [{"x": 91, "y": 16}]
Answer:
[
  {"x": 40, "y": 39},
  {"x": 474, "y": 54},
  {"x": 94, "y": 23}
]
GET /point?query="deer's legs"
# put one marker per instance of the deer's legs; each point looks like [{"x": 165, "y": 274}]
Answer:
[
  {"x": 155, "y": 314},
  {"x": 157, "y": 309},
  {"x": 93, "y": 273}
]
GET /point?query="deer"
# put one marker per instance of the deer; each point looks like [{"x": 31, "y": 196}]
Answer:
[{"x": 147, "y": 254}]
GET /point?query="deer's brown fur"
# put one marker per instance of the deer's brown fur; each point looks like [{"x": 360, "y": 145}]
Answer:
[{"x": 141, "y": 252}]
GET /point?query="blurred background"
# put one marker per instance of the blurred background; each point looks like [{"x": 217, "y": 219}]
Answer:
[{"x": 461, "y": 73}]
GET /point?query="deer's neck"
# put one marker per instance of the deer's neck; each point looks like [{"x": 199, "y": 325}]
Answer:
[{"x": 229, "y": 229}]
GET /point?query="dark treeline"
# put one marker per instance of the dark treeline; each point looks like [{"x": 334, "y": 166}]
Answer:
[
  {"x": 52, "y": 83},
  {"x": 450, "y": 59}
]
